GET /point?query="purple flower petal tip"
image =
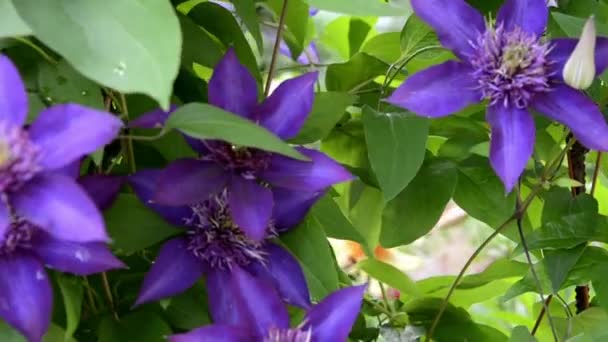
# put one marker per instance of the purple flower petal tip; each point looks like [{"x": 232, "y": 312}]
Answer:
[{"x": 153, "y": 119}]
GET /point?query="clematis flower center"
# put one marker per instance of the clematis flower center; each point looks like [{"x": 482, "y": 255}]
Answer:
[
  {"x": 17, "y": 237},
  {"x": 511, "y": 66},
  {"x": 242, "y": 160},
  {"x": 19, "y": 158},
  {"x": 288, "y": 335},
  {"x": 215, "y": 239}
]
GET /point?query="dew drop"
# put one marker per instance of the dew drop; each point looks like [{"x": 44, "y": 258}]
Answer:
[
  {"x": 84, "y": 93},
  {"x": 120, "y": 68},
  {"x": 40, "y": 275},
  {"x": 82, "y": 255}
]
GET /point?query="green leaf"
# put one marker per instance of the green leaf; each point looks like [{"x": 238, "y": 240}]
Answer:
[
  {"x": 72, "y": 293},
  {"x": 390, "y": 275},
  {"x": 358, "y": 31},
  {"x": 568, "y": 222},
  {"x": 385, "y": 47},
  {"x": 328, "y": 108},
  {"x": 361, "y": 7},
  {"x": 334, "y": 223},
  {"x": 296, "y": 22},
  {"x": 60, "y": 83},
  {"x": 133, "y": 226},
  {"x": 521, "y": 334},
  {"x": 558, "y": 264},
  {"x": 188, "y": 310},
  {"x": 246, "y": 10},
  {"x": 55, "y": 334},
  {"x": 573, "y": 26},
  {"x": 222, "y": 24},
  {"x": 11, "y": 24},
  {"x": 416, "y": 210},
  {"x": 416, "y": 34},
  {"x": 204, "y": 121},
  {"x": 359, "y": 71},
  {"x": 455, "y": 324},
  {"x": 138, "y": 326},
  {"x": 309, "y": 245},
  {"x": 396, "y": 143},
  {"x": 482, "y": 195},
  {"x": 131, "y": 46},
  {"x": 365, "y": 214},
  {"x": 199, "y": 45}
]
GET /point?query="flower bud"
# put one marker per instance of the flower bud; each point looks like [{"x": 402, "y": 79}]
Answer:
[{"x": 579, "y": 70}]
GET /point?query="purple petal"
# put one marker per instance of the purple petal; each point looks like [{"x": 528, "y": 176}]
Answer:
[
  {"x": 250, "y": 206},
  {"x": 67, "y": 132},
  {"x": 175, "y": 270},
  {"x": 562, "y": 49},
  {"x": 285, "y": 111},
  {"x": 237, "y": 298},
  {"x": 13, "y": 98},
  {"x": 102, "y": 189},
  {"x": 311, "y": 176},
  {"x": 73, "y": 257},
  {"x": 290, "y": 207},
  {"x": 144, "y": 185},
  {"x": 437, "y": 91},
  {"x": 71, "y": 170},
  {"x": 25, "y": 295},
  {"x": 573, "y": 109},
  {"x": 530, "y": 15},
  {"x": 5, "y": 220},
  {"x": 512, "y": 142},
  {"x": 189, "y": 181},
  {"x": 56, "y": 204},
  {"x": 455, "y": 21},
  {"x": 152, "y": 119},
  {"x": 232, "y": 87},
  {"x": 333, "y": 318},
  {"x": 286, "y": 274},
  {"x": 215, "y": 332}
]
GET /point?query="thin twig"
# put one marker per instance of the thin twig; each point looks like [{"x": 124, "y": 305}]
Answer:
[
  {"x": 473, "y": 256},
  {"x": 385, "y": 298},
  {"x": 275, "y": 50},
  {"x": 108, "y": 293},
  {"x": 37, "y": 49},
  {"x": 529, "y": 259},
  {"x": 128, "y": 142},
  {"x": 596, "y": 173},
  {"x": 541, "y": 314}
]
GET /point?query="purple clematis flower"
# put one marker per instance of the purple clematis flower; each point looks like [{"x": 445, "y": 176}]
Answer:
[
  {"x": 249, "y": 174},
  {"x": 512, "y": 67},
  {"x": 212, "y": 244},
  {"x": 330, "y": 320},
  {"x": 46, "y": 218}
]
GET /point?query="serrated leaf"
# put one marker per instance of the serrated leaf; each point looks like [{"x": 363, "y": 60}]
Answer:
[
  {"x": 396, "y": 144},
  {"x": 142, "y": 54},
  {"x": 204, "y": 121}
]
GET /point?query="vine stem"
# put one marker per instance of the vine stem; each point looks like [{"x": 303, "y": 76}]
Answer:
[
  {"x": 537, "y": 282},
  {"x": 550, "y": 169},
  {"x": 275, "y": 49},
  {"x": 596, "y": 172}
]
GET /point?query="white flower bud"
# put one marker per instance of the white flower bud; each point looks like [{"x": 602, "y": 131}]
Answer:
[{"x": 579, "y": 70}]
